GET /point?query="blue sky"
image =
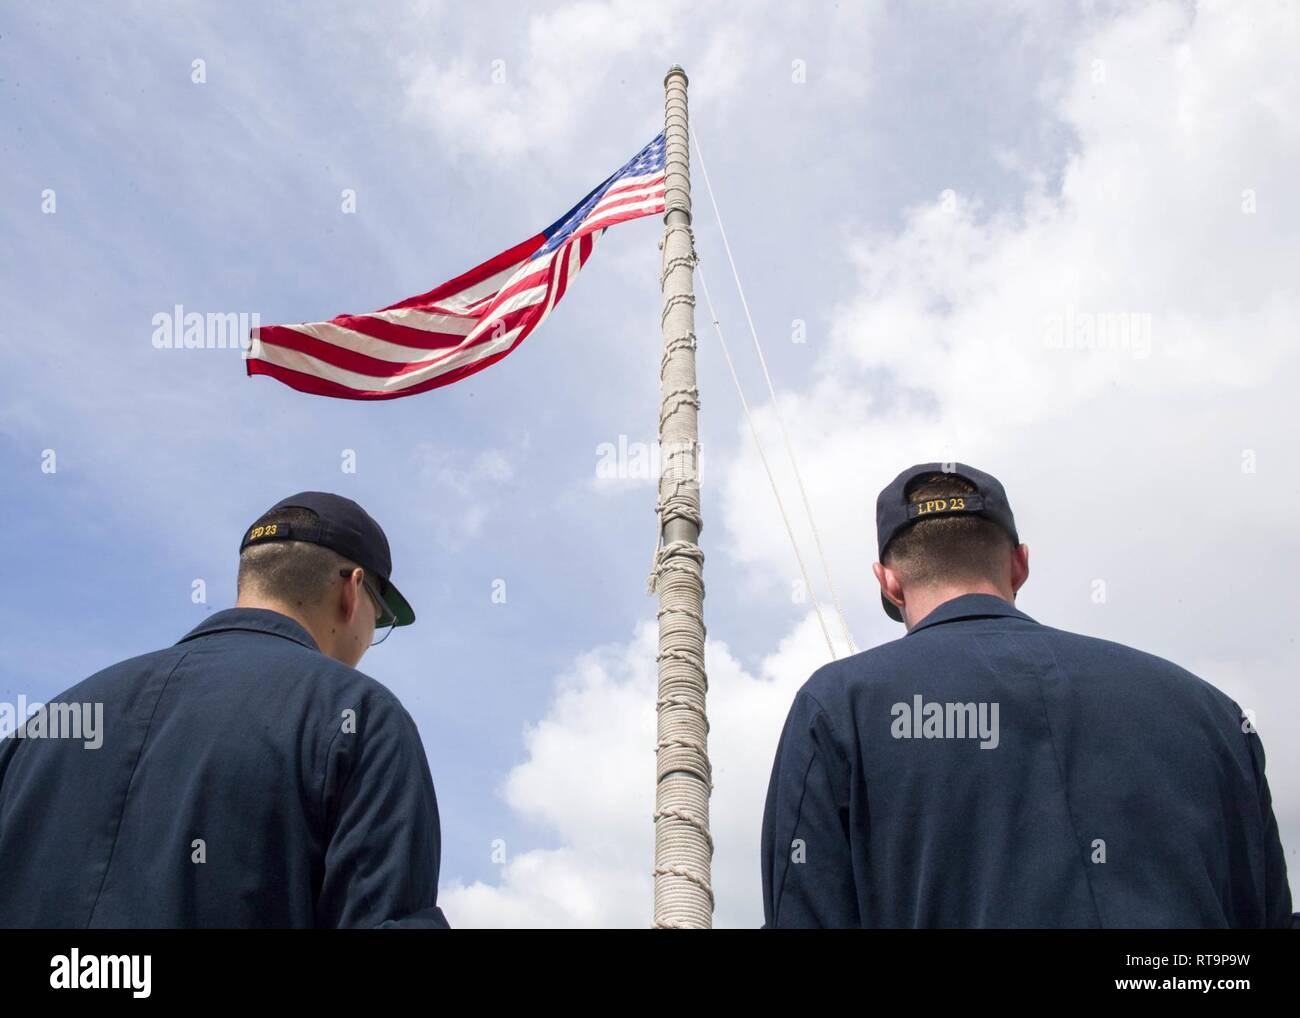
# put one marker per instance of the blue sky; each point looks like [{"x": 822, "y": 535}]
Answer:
[{"x": 938, "y": 183}]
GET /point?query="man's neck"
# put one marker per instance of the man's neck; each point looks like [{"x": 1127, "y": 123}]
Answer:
[
  {"x": 312, "y": 625},
  {"x": 921, "y": 603}
]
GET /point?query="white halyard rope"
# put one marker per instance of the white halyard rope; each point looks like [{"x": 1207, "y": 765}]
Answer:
[
  {"x": 785, "y": 434},
  {"x": 758, "y": 444}
]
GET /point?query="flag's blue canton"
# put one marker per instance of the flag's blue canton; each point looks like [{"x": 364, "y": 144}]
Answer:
[{"x": 649, "y": 160}]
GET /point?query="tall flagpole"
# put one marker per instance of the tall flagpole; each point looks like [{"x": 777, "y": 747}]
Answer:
[{"x": 683, "y": 846}]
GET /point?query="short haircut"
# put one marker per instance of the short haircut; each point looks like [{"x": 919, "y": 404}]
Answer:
[
  {"x": 955, "y": 547},
  {"x": 291, "y": 572}
]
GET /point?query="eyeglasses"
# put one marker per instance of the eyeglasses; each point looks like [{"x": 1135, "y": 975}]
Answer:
[{"x": 384, "y": 618}]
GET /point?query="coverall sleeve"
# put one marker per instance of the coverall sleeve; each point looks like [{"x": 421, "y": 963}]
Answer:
[
  {"x": 1277, "y": 892},
  {"x": 382, "y": 859},
  {"x": 806, "y": 854}
]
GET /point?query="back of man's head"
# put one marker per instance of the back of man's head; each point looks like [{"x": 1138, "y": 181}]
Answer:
[
  {"x": 295, "y": 574},
  {"x": 292, "y": 559},
  {"x": 943, "y": 555},
  {"x": 947, "y": 549}
]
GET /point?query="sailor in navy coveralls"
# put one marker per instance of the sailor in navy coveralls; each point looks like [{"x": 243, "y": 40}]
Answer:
[
  {"x": 989, "y": 771},
  {"x": 249, "y": 775}
]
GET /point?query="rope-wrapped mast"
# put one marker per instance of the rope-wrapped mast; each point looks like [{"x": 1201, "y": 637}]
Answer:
[{"x": 683, "y": 846}]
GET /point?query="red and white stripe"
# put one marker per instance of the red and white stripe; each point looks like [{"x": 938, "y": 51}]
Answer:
[{"x": 454, "y": 330}]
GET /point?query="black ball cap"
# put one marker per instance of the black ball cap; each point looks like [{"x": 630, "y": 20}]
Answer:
[
  {"x": 342, "y": 526},
  {"x": 895, "y": 512}
]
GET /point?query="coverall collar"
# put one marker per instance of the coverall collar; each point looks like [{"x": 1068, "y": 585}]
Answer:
[
  {"x": 256, "y": 620},
  {"x": 969, "y": 606}
]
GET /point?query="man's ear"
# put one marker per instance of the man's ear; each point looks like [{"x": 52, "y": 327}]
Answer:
[
  {"x": 890, "y": 585},
  {"x": 350, "y": 597},
  {"x": 1019, "y": 567}
]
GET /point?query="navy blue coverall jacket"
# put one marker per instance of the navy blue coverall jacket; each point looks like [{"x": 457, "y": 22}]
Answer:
[
  {"x": 1111, "y": 788},
  {"x": 244, "y": 779}
]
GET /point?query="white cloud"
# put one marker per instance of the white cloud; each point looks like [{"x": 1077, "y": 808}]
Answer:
[
  {"x": 589, "y": 783},
  {"x": 496, "y": 104},
  {"x": 944, "y": 347},
  {"x": 586, "y": 62}
]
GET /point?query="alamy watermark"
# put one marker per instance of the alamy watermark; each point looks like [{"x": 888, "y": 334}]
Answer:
[
  {"x": 626, "y": 460},
  {"x": 35, "y": 720},
  {"x": 179, "y": 329},
  {"x": 75, "y": 971},
  {"x": 934, "y": 720},
  {"x": 1113, "y": 331}
]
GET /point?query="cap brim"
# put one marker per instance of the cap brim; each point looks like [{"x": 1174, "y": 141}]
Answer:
[
  {"x": 891, "y": 609},
  {"x": 398, "y": 605}
]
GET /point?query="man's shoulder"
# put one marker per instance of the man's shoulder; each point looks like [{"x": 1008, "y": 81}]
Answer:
[
  {"x": 1097, "y": 648},
  {"x": 150, "y": 663},
  {"x": 1075, "y": 651},
  {"x": 311, "y": 672},
  {"x": 245, "y": 658},
  {"x": 886, "y": 661},
  {"x": 928, "y": 649}
]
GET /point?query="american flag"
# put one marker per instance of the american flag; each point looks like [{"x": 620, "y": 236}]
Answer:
[{"x": 467, "y": 323}]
